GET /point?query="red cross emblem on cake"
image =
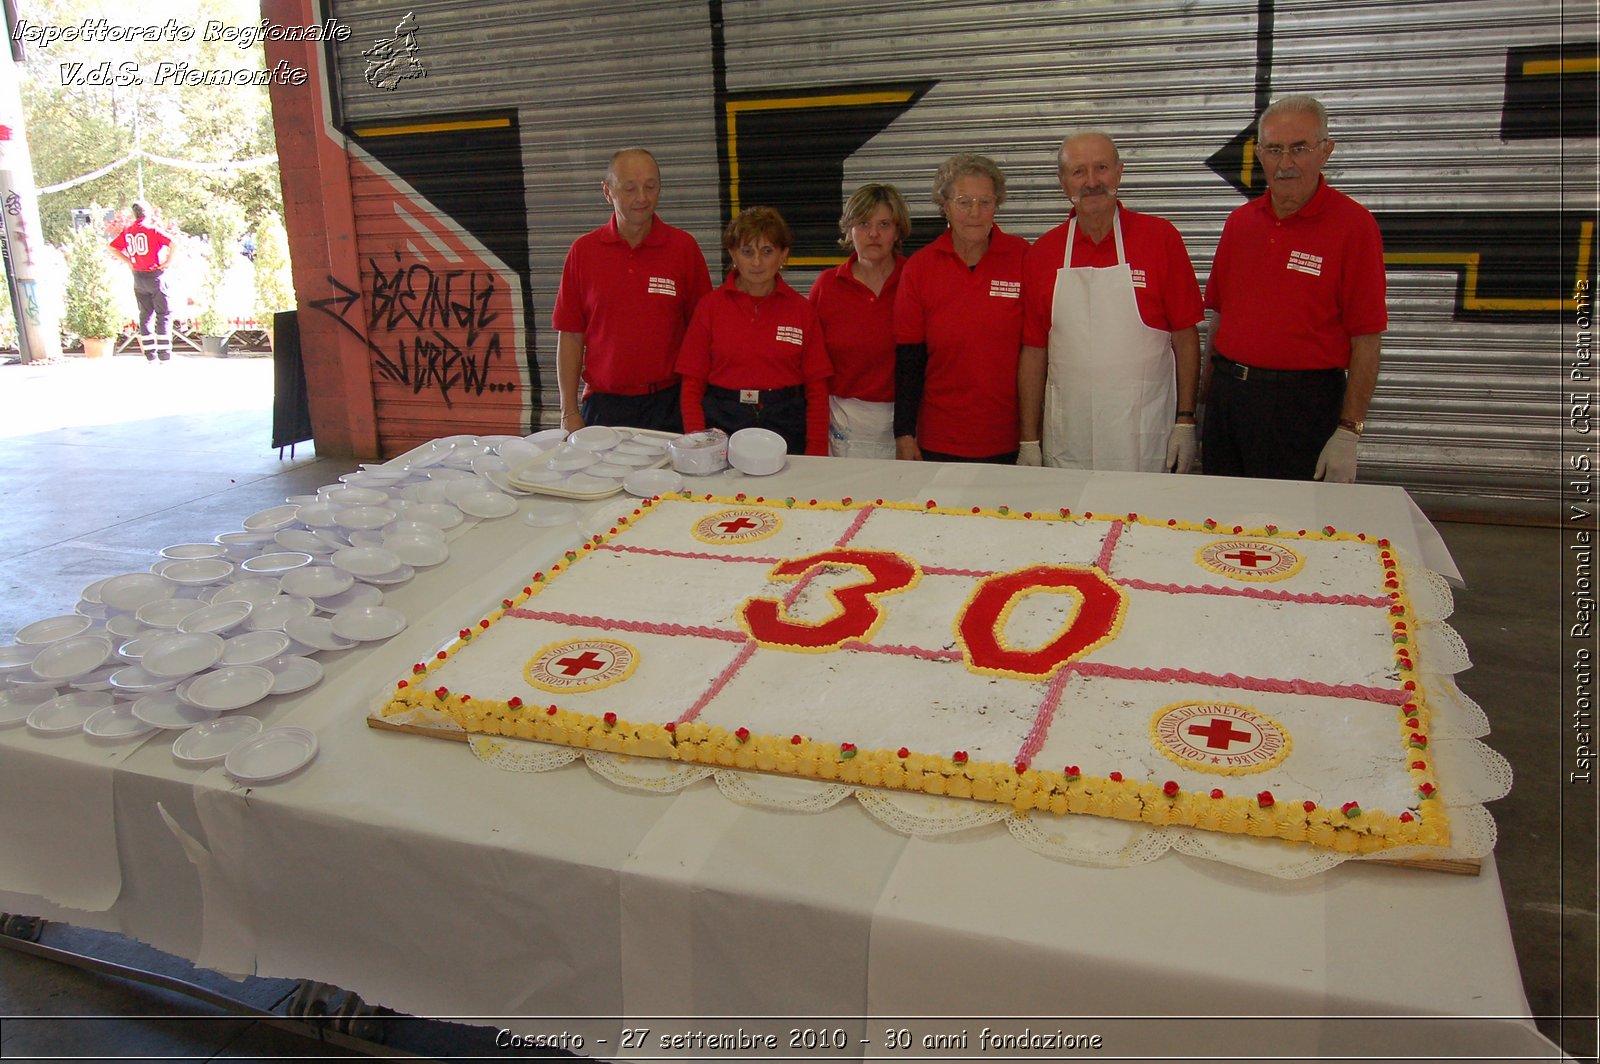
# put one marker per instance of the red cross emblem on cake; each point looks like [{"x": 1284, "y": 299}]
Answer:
[
  {"x": 736, "y": 526},
  {"x": 1250, "y": 559},
  {"x": 581, "y": 665},
  {"x": 1220, "y": 737}
]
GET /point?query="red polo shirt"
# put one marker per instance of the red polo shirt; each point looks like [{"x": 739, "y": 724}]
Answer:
[
  {"x": 1291, "y": 292},
  {"x": 971, "y": 320},
  {"x": 142, "y": 243},
  {"x": 858, "y": 327},
  {"x": 738, "y": 341},
  {"x": 630, "y": 305},
  {"x": 1164, "y": 286}
]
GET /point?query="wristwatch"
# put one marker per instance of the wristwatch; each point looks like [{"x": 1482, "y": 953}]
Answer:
[{"x": 1354, "y": 426}]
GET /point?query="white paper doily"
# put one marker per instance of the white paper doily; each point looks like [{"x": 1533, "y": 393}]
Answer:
[{"x": 780, "y": 792}]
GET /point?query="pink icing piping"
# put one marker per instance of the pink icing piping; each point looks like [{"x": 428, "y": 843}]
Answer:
[
  {"x": 1041, "y": 720},
  {"x": 698, "y": 555},
  {"x": 1243, "y": 683},
  {"x": 646, "y": 627},
  {"x": 1108, "y": 547},
  {"x": 1260, "y": 593},
  {"x": 896, "y": 648},
  {"x": 745, "y": 653},
  {"x": 855, "y": 526}
]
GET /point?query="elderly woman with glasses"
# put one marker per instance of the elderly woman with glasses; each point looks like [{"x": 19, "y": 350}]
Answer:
[
  {"x": 958, "y": 326},
  {"x": 855, "y": 304}
]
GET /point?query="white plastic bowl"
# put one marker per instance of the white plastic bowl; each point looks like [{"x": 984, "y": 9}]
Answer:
[{"x": 759, "y": 452}]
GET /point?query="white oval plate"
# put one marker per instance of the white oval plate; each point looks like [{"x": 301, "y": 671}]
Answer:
[
  {"x": 164, "y": 709},
  {"x": 317, "y": 632},
  {"x": 366, "y": 539},
  {"x": 273, "y": 615},
  {"x": 583, "y": 482},
  {"x": 166, "y": 613},
  {"x": 231, "y": 540},
  {"x": 415, "y": 528},
  {"x": 546, "y": 437},
  {"x": 318, "y": 515},
  {"x": 277, "y": 562},
  {"x": 218, "y": 617},
  {"x": 486, "y": 503},
  {"x": 210, "y": 741},
  {"x": 272, "y": 518},
  {"x": 417, "y": 550},
  {"x": 15, "y": 705},
  {"x": 365, "y": 518},
  {"x": 134, "y": 678},
  {"x": 91, "y": 594},
  {"x": 232, "y": 687},
  {"x": 344, "y": 495},
  {"x": 180, "y": 654},
  {"x": 513, "y": 453},
  {"x": 647, "y": 483},
  {"x": 595, "y": 438},
  {"x": 126, "y": 626},
  {"x": 397, "y": 576},
  {"x": 359, "y": 595},
  {"x": 253, "y": 648},
  {"x": 366, "y": 561},
  {"x": 531, "y": 476},
  {"x": 631, "y": 461},
  {"x": 550, "y": 514},
  {"x": 116, "y": 722},
  {"x": 51, "y": 629},
  {"x": 293, "y": 673},
  {"x": 66, "y": 713},
  {"x": 299, "y": 539},
  {"x": 642, "y": 446},
  {"x": 271, "y": 755},
  {"x": 182, "y": 551},
  {"x": 68, "y": 659},
  {"x": 254, "y": 590},
  {"x": 440, "y": 515},
  {"x": 428, "y": 491},
  {"x": 17, "y": 658},
  {"x": 368, "y": 623},
  {"x": 133, "y": 649},
  {"x": 568, "y": 461},
  {"x": 98, "y": 680},
  {"x": 317, "y": 581},
  {"x": 197, "y": 572}
]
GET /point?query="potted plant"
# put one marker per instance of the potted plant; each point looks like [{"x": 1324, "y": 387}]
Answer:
[{"x": 91, "y": 305}]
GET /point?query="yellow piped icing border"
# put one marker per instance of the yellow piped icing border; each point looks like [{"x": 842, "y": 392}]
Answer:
[{"x": 1369, "y": 831}]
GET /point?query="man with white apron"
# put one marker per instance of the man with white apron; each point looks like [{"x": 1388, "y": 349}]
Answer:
[{"x": 1111, "y": 352}]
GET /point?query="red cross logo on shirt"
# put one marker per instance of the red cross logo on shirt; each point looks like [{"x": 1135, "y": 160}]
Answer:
[
  {"x": 1219, "y": 734},
  {"x": 583, "y": 663}
]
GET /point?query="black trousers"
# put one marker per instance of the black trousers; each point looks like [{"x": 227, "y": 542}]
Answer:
[
  {"x": 1271, "y": 426},
  {"x": 1009, "y": 458},
  {"x": 659, "y": 410},
  {"x": 155, "y": 317},
  {"x": 782, "y": 410}
]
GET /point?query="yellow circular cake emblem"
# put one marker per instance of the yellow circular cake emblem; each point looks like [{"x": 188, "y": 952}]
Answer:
[
  {"x": 736, "y": 526},
  {"x": 1221, "y": 737},
  {"x": 1250, "y": 559},
  {"x": 581, "y": 665}
]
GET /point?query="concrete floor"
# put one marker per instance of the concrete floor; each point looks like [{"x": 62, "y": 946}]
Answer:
[{"x": 104, "y": 463}]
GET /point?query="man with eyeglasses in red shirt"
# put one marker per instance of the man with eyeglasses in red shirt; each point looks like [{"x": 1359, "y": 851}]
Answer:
[{"x": 1299, "y": 291}]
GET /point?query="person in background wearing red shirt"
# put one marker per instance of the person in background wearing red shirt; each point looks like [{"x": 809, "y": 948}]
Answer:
[
  {"x": 958, "y": 326},
  {"x": 855, "y": 305},
  {"x": 1111, "y": 356},
  {"x": 147, "y": 250},
  {"x": 627, "y": 292},
  {"x": 1299, "y": 290},
  {"x": 753, "y": 355}
]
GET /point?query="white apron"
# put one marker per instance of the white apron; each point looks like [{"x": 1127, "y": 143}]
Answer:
[
  {"x": 860, "y": 428},
  {"x": 1110, "y": 392}
]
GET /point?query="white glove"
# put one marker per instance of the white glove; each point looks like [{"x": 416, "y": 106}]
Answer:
[
  {"x": 1337, "y": 462},
  {"x": 1180, "y": 449},
  {"x": 1028, "y": 453}
]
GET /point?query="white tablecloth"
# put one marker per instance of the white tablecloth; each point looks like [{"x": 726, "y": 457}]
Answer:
[{"x": 406, "y": 870}]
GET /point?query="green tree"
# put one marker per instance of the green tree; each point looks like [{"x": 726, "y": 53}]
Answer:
[
  {"x": 223, "y": 222},
  {"x": 91, "y": 309},
  {"x": 274, "y": 282}
]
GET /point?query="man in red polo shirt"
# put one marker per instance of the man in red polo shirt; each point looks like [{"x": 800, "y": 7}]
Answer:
[
  {"x": 1111, "y": 355},
  {"x": 147, "y": 250},
  {"x": 1298, "y": 287},
  {"x": 627, "y": 293}
]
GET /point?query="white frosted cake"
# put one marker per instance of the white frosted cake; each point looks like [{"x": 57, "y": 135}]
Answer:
[{"x": 1242, "y": 680}]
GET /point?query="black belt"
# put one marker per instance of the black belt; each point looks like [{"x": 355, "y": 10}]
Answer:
[
  {"x": 761, "y": 397},
  {"x": 648, "y": 389},
  {"x": 1239, "y": 371}
]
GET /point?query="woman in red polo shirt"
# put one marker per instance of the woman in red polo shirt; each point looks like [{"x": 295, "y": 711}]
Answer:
[
  {"x": 958, "y": 326},
  {"x": 754, "y": 355},
  {"x": 855, "y": 304}
]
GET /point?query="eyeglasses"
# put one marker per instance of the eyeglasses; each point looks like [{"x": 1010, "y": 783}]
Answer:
[
  {"x": 967, "y": 203},
  {"x": 1295, "y": 151}
]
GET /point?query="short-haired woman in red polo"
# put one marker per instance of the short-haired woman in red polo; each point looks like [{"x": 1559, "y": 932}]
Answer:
[{"x": 753, "y": 355}]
